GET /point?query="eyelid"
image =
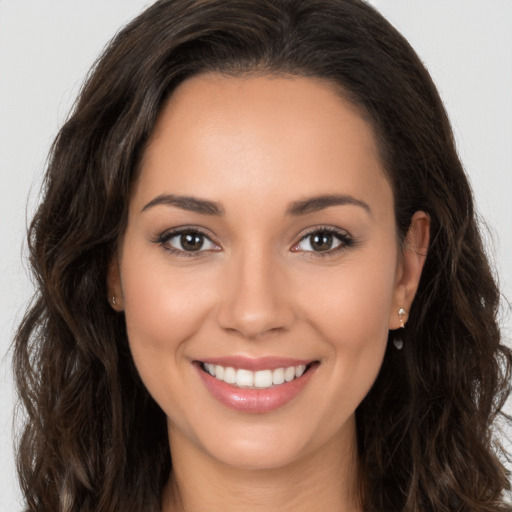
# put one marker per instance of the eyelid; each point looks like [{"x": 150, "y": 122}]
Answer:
[
  {"x": 163, "y": 238},
  {"x": 345, "y": 238}
]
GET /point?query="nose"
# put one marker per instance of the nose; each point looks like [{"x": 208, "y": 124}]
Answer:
[{"x": 255, "y": 301}]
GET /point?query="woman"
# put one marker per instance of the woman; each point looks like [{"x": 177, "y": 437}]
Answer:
[{"x": 248, "y": 203}]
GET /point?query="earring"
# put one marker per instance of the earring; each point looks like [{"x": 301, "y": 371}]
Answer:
[
  {"x": 114, "y": 300},
  {"x": 401, "y": 315},
  {"x": 399, "y": 343}
]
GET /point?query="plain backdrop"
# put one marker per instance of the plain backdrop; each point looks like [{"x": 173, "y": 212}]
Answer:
[{"x": 47, "y": 46}]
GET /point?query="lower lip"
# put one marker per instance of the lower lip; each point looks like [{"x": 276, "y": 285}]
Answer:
[{"x": 255, "y": 400}]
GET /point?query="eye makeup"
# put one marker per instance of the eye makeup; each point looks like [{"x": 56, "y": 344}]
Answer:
[{"x": 189, "y": 241}]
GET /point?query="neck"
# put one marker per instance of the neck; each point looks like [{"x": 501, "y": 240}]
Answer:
[{"x": 324, "y": 480}]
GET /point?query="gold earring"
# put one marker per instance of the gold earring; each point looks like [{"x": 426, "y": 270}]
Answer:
[
  {"x": 401, "y": 314},
  {"x": 114, "y": 300}
]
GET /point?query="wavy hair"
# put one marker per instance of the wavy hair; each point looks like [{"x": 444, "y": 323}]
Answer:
[{"x": 94, "y": 440}]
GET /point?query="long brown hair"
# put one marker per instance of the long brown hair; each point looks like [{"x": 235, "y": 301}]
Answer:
[{"x": 94, "y": 440}]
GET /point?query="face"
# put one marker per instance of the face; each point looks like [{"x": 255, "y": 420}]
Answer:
[{"x": 260, "y": 269}]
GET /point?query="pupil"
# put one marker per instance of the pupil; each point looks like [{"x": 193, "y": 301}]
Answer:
[
  {"x": 191, "y": 241},
  {"x": 321, "y": 242}
]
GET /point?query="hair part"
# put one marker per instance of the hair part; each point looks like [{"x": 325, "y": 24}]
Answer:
[{"x": 94, "y": 439}]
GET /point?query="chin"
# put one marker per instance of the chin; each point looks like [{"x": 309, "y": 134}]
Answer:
[{"x": 259, "y": 454}]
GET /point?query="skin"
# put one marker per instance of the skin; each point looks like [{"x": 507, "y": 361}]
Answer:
[{"x": 254, "y": 145}]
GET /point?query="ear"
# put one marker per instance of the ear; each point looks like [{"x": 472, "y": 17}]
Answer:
[
  {"x": 409, "y": 267},
  {"x": 115, "y": 291}
]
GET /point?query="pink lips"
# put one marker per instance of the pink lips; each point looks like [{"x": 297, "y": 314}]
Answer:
[{"x": 255, "y": 400}]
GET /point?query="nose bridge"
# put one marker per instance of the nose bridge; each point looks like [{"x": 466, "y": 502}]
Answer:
[{"x": 254, "y": 301}]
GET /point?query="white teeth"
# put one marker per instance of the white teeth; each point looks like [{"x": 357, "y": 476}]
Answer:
[
  {"x": 263, "y": 379},
  {"x": 219, "y": 372},
  {"x": 244, "y": 378},
  {"x": 229, "y": 375},
  {"x": 299, "y": 370},
  {"x": 260, "y": 379},
  {"x": 278, "y": 376},
  {"x": 289, "y": 373}
]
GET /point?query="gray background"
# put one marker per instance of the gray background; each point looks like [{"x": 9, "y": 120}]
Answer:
[{"x": 47, "y": 46}]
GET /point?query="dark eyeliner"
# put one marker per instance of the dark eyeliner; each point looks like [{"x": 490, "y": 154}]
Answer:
[
  {"x": 164, "y": 237},
  {"x": 347, "y": 241}
]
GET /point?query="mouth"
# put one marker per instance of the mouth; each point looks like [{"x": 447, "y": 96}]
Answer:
[
  {"x": 270, "y": 384},
  {"x": 260, "y": 379}
]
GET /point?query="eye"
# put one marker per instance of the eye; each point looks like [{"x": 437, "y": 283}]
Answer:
[
  {"x": 323, "y": 241},
  {"x": 185, "y": 242}
]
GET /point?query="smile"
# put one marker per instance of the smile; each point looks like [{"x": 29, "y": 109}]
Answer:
[
  {"x": 260, "y": 379},
  {"x": 255, "y": 385}
]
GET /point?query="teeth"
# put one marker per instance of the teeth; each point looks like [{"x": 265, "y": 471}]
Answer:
[
  {"x": 263, "y": 379},
  {"x": 244, "y": 378},
  {"x": 299, "y": 370},
  {"x": 230, "y": 375},
  {"x": 219, "y": 372},
  {"x": 260, "y": 379},
  {"x": 278, "y": 376},
  {"x": 289, "y": 373}
]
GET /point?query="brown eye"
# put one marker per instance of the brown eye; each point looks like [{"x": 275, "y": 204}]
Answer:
[
  {"x": 323, "y": 241},
  {"x": 187, "y": 242},
  {"x": 191, "y": 241}
]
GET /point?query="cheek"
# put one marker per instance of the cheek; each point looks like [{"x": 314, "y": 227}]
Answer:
[
  {"x": 358, "y": 331},
  {"x": 349, "y": 308},
  {"x": 350, "y": 304},
  {"x": 163, "y": 309}
]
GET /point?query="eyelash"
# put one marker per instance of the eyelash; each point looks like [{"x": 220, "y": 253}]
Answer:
[
  {"x": 165, "y": 237},
  {"x": 346, "y": 241}
]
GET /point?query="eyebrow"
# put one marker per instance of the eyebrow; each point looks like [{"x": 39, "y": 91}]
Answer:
[
  {"x": 297, "y": 208},
  {"x": 317, "y": 203},
  {"x": 191, "y": 204}
]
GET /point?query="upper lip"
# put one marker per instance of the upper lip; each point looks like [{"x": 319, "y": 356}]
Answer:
[{"x": 255, "y": 364}]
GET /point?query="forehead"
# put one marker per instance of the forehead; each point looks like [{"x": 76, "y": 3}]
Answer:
[{"x": 262, "y": 136}]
